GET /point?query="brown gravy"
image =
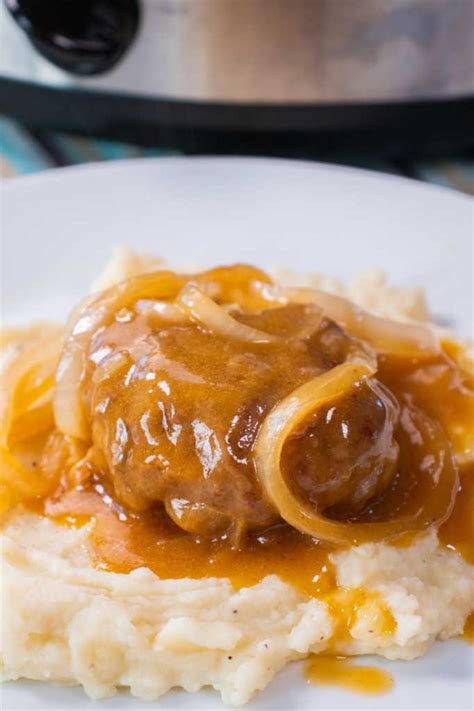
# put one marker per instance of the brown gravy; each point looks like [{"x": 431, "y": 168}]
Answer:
[
  {"x": 458, "y": 531},
  {"x": 123, "y": 540},
  {"x": 338, "y": 671}
]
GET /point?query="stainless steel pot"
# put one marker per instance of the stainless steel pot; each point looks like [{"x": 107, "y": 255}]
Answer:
[{"x": 268, "y": 52}]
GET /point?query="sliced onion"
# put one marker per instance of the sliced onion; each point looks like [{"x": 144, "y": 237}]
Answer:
[
  {"x": 196, "y": 517},
  {"x": 27, "y": 389},
  {"x": 163, "y": 310},
  {"x": 283, "y": 419},
  {"x": 20, "y": 479},
  {"x": 8, "y": 498},
  {"x": 34, "y": 421},
  {"x": 270, "y": 295},
  {"x": 236, "y": 284},
  {"x": 22, "y": 482},
  {"x": 26, "y": 413},
  {"x": 386, "y": 336},
  {"x": 199, "y": 307},
  {"x": 286, "y": 416},
  {"x": 69, "y": 410}
]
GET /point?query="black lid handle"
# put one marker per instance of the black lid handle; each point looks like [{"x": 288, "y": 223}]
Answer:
[{"x": 83, "y": 37}]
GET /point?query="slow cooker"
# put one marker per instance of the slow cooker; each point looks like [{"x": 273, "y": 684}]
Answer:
[{"x": 267, "y": 72}]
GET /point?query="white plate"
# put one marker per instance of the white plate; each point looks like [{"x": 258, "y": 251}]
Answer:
[{"x": 58, "y": 230}]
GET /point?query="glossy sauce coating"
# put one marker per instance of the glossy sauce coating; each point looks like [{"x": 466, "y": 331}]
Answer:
[
  {"x": 173, "y": 395},
  {"x": 123, "y": 539},
  {"x": 457, "y": 532},
  {"x": 176, "y": 421},
  {"x": 175, "y": 412}
]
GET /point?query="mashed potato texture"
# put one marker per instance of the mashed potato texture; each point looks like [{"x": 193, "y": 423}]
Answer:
[{"x": 68, "y": 622}]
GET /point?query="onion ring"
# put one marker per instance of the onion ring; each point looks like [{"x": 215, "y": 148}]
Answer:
[
  {"x": 26, "y": 412},
  {"x": 279, "y": 424},
  {"x": 27, "y": 388},
  {"x": 386, "y": 336},
  {"x": 199, "y": 307}
]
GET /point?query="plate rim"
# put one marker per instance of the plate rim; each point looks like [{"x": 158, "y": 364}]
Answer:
[{"x": 109, "y": 166}]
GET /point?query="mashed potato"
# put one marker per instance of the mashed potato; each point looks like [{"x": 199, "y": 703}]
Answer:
[{"x": 66, "y": 621}]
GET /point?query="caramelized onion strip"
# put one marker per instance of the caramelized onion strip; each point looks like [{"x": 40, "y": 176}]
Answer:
[
  {"x": 285, "y": 417},
  {"x": 164, "y": 311},
  {"x": 386, "y": 336},
  {"x": 202, "y": 309},
  {"x": 27, "y": 389},
  {"x": 237, "y": 284},
  {"x": 26, "y": 413},
  {"x": 69, "y": 411},
  {"x": 18, "y": 479}
]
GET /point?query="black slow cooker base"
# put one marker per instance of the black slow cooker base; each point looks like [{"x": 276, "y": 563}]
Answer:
[{"x": 331, "y": 132}]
